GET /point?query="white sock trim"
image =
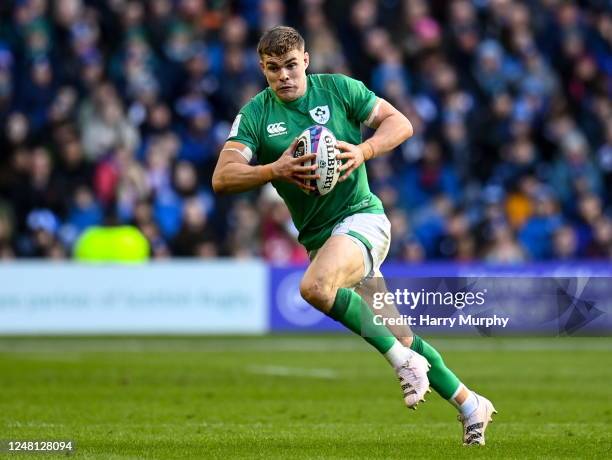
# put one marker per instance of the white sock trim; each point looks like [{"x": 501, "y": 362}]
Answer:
[
  {"x": 455, "y": 394},
  {"x": 469, "y": 405},
  {"x": 398, "y": 354}
]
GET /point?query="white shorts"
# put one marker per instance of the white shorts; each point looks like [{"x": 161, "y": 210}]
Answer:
[{"x": 372, "y": 233}]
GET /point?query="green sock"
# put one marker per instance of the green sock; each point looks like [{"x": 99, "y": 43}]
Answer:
[
  {"x": 441, "y": 377},
  {"x": 352, "y": 311}
]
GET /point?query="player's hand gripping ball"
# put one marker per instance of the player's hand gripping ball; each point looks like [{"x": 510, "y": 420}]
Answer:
[{"x": 322, "y": 142}]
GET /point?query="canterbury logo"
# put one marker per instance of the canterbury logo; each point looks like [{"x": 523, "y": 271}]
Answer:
[{"x": 276, "y": 129}]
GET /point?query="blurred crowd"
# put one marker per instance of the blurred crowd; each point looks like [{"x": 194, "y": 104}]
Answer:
[{"x": 114, "y": 111}]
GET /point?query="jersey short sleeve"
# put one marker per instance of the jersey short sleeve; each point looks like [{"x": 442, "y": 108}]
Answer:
[
  {"x": 359, "y": 99},
  {"x": 244, "y": 128}
]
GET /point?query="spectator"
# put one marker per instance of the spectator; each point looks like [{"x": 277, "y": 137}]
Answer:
[
  {"x": 6, "y": 81},
  {"x": 6, "y": 232},
  {"x": 503, "y": 247},
  {"x": 429, "y": 224},
  {"x": 428, "y": 178},
  {"x": 85, "y": 210},
  {"x": 197, "y": 139},
  {"x": 604, "y": 161},
  {"x": 40, "y": 241},
  {"x": 589, "y": 212},
  {"x": 600, "y": 246},
  {"x": 575, "y": 173},
  {"x": 72, "y": 168},
  {"x": 196, "y": 238},
  {"x": 537, "y": 234},
  {"x": 520, "y": 159},
  {"x": 104, "y": 125},
  {"x": 278, "y": 232},
  {"x": 39, "y": 189},
  {"x": 565, "y": 243}
]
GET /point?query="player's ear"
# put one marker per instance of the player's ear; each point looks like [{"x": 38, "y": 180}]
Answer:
[{"x": 306, "y": 59}]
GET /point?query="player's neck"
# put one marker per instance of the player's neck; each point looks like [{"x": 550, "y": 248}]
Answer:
[{"x": 303, "y": 89}]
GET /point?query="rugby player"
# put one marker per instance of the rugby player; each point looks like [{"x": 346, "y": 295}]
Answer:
[{"x": 345, "y": 231}]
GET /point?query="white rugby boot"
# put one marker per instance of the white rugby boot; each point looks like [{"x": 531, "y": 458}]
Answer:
[
  {"x": 413, "y": 379},
  {"x": 475, "y": 424}
]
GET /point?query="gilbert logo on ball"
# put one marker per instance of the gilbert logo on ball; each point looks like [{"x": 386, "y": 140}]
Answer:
[{"x": 322, "y": 142}]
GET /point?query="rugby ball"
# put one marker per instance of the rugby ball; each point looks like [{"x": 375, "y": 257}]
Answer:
[{"x": 322, "y": 142}]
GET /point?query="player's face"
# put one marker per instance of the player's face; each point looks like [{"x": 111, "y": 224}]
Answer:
[{"x": 286, "y": 74}]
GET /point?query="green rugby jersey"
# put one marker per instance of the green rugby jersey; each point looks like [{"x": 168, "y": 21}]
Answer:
[{"x": 268, "y": 125}]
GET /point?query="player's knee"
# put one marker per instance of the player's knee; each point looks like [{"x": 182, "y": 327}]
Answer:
[{"x": 317, "y": 292}]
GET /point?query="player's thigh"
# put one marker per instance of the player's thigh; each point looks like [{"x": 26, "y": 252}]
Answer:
[{"x": 338, "y": 263}]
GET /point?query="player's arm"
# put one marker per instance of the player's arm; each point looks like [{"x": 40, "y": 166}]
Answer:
[
  {"x": 392, "y": 128},
  {"x": 234, "y": 174}
]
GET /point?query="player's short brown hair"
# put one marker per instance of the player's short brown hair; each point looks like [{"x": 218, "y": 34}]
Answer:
[{"x": 280, "y": 40}]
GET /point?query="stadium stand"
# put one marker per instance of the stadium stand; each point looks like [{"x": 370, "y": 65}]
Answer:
[{"x": 113, "y": 112}]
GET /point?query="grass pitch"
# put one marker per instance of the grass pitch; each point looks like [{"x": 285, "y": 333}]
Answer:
[{"x": 298, "y": 397}]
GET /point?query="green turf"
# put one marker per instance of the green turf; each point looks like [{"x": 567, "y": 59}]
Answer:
[{"x": 298, "y": 397}]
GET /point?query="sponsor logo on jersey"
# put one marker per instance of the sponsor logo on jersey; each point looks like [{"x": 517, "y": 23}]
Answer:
[
  {"x": 276, "y": 129},
  {"x": 320, "y": 114}
]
